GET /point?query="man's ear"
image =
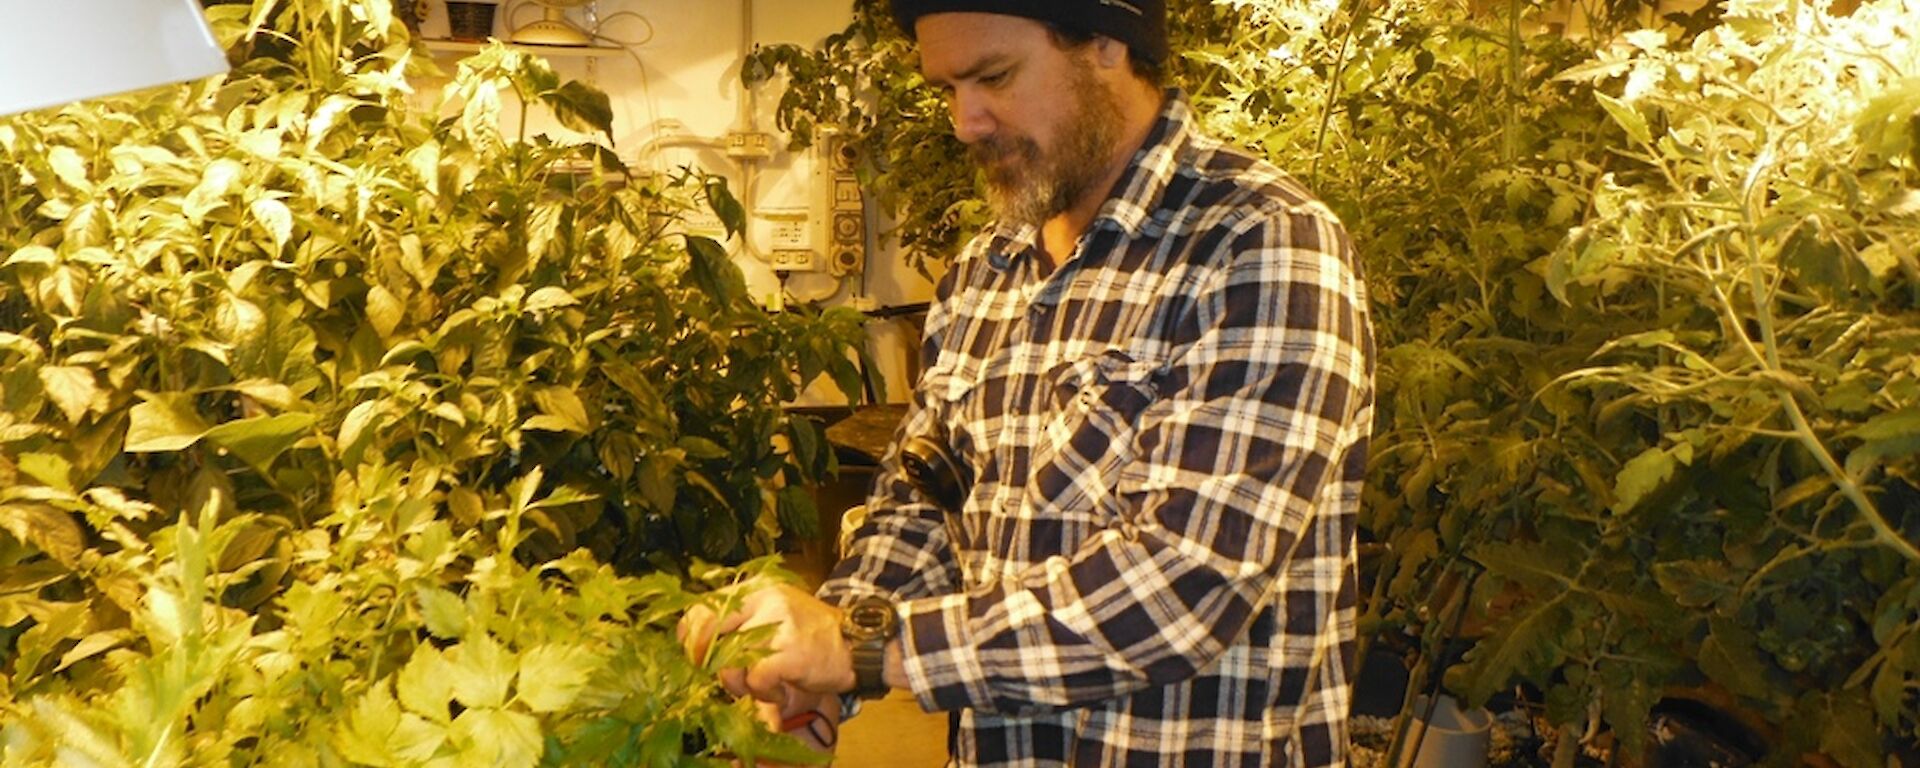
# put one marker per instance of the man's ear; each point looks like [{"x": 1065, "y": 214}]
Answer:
[{"x": 1110, "y": 53}]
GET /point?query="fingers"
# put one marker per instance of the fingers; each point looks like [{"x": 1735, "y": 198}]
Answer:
[
  {"x": 694, "y": 634},
  {"x": 807, "y": 635},
  {"x": 701, "y": 625},
  {"x": 765, "y": 681}
]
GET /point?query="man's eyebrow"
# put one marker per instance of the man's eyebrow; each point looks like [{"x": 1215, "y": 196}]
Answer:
[{"x": 974, "y": 70}]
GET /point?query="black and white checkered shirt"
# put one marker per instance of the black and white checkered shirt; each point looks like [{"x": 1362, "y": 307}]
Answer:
[{"x": 1167, "y": 436}]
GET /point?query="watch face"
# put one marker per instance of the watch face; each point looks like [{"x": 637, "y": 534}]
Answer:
[{"x": 871, "y": 618}]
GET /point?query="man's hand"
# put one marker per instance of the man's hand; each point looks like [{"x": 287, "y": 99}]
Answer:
[
  {"x": 813, "y": 718},
  {"x": 806, "y": 651}
]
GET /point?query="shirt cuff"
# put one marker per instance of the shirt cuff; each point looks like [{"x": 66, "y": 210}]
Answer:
[{"x": 940, "y": 656}]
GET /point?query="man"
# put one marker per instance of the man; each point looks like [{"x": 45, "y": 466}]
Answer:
[{"x": 1154, "y": 374}]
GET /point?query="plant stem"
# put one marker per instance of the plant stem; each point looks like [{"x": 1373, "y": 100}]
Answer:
[
  {"x": 1509, "y": 134},
  {"x": 1768, "y": 356},
  {"x": 1333, "y": 90}
]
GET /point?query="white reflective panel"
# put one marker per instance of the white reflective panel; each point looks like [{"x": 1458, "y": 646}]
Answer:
[{"x": 56, "y": 51}]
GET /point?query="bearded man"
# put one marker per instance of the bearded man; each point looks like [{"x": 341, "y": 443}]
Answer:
[{"x": 1117, "y": 526}]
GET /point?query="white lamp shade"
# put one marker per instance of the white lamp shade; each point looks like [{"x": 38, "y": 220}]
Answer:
[{"x": 56, "y": 51}]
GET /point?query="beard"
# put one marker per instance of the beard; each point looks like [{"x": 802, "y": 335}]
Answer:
[{"x": 1029, "y": 185}]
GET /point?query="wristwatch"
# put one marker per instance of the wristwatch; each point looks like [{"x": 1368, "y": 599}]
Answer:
[{"x": 868, "y": 625}]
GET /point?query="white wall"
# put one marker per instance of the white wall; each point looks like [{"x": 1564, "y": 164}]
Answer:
[{"x": 677, "y": 97}]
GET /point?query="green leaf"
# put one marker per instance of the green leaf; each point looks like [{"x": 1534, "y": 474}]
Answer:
[
  {"x": 367, "y": 735},
  {"x": 169, "y": 614},
  {"x": 51, "y": 469},
  {"x": 70, "y": 388},
  {"x": 1695, "y": 583},
  {"x": 426, "y": 683},
  {"x": 656, "y": 481},
  {"x": 1730, "y": 657},
  {"x": 552, "y": 676},
  {"x": 1892, "y": 425},
  {"x": 1821, "y": 264},
  {"x": 358, "y": 428},
  {"x": 444, "y": 612},
  {"x": 702, "y": 448},
  {"x": 498, "y": 738},
  {"x": 1641, "y": 476},
  {"x": 1627, "y": 117},
  {"x": 482, "y": 672},
  {"x": 417, "y": 739},
  {"x": 564, "y": 411},
  {"x": 1889, "y": 691},
  {"x": 742, "y": 734},
  {"x": 384, "y": 310},
  {"x": 276, "y": 218},
  {"x": 714, "y": 274},
  {"x": 1895, "y": 433},
  {"x": 1629, "y": 701},
  {"x": 581, "y": 107},
  {"x": 38, "y": 255},
  {"x": 269, "y": 393},
  {"x": 1536, "y": 565},
  {"x": 550, "y": 297},
  {"x": 45, "y": 527},
  {"x": 724, "y": 205},
  {"x": 167, "y": 421},
  {"x": 1851, "y": 735},
  {"x": 261, "y": 439},
  {"x": 69, "y": 167},
  {"x": 1526, "y": 640}
]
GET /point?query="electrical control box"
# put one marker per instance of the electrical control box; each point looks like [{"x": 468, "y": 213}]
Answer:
[
  {"x": 792, "y": 240},
  {"x": 843, "y": 206},
  {"x": 830, "y": 233}
]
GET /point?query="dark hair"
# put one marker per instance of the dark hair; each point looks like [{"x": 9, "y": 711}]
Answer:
[{"x": 1143, "y": 68}]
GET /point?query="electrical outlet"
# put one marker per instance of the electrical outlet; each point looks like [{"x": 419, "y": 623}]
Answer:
[
  {"x": 796, "y": 261},
  {"x": 749, "y": 145}
]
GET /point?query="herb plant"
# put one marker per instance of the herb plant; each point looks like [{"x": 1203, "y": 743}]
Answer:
[{"x": 339, "y": 429}]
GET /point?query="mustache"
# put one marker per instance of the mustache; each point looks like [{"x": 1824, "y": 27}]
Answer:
[{"x": 989, "y": 152}]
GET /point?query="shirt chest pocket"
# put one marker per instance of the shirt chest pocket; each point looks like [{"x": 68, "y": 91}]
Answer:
[{"x": 1088, "y": 430}]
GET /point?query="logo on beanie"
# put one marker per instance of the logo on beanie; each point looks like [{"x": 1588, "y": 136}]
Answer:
[{"x": 1125, "y": 6}]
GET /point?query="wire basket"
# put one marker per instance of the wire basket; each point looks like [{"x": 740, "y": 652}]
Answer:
[{"x": 471, "y": 21}]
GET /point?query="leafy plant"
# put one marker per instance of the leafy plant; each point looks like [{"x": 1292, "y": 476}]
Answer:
[
  {"x": 306, "y": 387},
  {"x": 1760, "y": 227},
  {"x": 863, "y": 85},
  {"x": 1644, "y": 299}
]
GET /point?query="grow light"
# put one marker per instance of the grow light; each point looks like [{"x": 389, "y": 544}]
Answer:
[{"x": 56, "y": 51}]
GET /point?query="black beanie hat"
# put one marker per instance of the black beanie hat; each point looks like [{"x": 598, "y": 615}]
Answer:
[{"x": 1141, "y": 24}]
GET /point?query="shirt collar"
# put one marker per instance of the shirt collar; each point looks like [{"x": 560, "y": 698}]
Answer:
[{"x": 1134, "y": 197}]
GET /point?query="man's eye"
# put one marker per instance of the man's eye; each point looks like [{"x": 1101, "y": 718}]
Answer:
[{"x": 996, "y": 78}]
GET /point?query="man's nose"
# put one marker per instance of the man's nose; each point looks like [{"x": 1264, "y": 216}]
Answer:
[{"x": 972, "y": 121}]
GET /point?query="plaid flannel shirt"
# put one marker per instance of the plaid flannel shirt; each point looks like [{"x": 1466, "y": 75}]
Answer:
[{"x": 1167, "y": 436}]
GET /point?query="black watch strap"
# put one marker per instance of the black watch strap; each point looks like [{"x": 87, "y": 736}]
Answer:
[
  {"x": 869, "y": 670},
  {"x": 870, "y": 623}
]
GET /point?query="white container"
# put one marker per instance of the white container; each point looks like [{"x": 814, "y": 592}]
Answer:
[{"x": 1456, "y": 738}]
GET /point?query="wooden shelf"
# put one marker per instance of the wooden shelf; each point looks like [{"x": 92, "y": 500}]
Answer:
[{"x": 465, "y": 47}]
